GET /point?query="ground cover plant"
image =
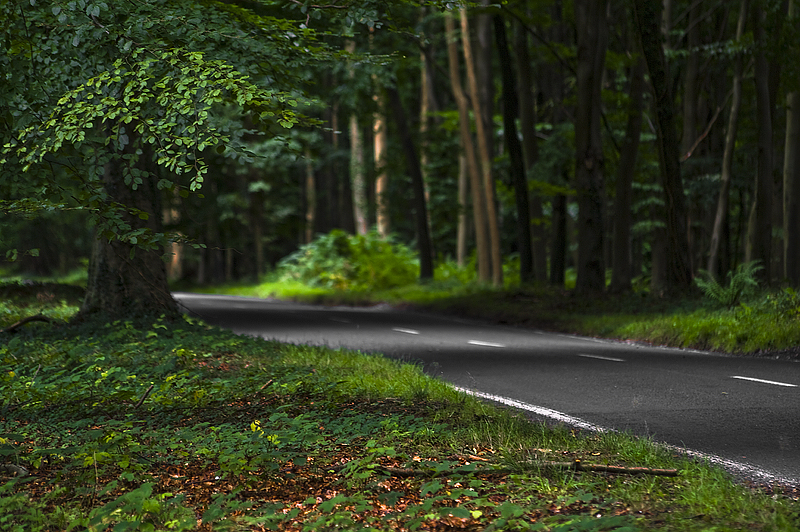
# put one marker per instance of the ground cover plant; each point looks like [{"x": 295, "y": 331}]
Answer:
[{"x": 159, "y": 425}]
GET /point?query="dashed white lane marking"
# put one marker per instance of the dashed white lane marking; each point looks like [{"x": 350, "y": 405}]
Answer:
[
  {"x": 748, "y": 470},
  {"x": 598, "y": 357},
  {"x": 340, "y": 320},
  {"x": 406, "y": 331},
  {"x": 774, "y": 383},
  {"x": 484, "y": 344}
]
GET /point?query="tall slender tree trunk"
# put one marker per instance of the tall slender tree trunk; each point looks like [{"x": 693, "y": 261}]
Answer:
[
  {"x": 485, "y": 155},
  {"x": 690, "y": 88},
  {"x": 418, "y": 185},
  {"x": 791, "y": 181},
  {"x": 721, "y": 216},
  {"x": 463, "y": 199},
  {"x": 478, "y": 200},
  {"x": 518, "y": 178},
  {"x": 380, "y": 139},
  {"x": 621, "y": 256},
  {"x": 678, "y": 270},
  {"x": 591, "y": 26},
  {"x": 357, "y": 167},
  {"x": 759, "y": 236},
  {"x": 527, "y": 111},
  {"x": 311, "y": 197}
]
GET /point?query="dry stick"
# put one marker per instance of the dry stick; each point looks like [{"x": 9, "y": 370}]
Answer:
[
  {"x": 146, "y": 393},
  {"x": 14, "y": 469},
  {"x": 575, "y": 465},
  {"x": 23, "y": 321}
]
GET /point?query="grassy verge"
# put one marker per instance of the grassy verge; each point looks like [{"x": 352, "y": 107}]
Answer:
[{"x": 178, "y": 426}]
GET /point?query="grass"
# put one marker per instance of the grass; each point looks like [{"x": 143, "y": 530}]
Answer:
[{"x": 160, "y": 425}]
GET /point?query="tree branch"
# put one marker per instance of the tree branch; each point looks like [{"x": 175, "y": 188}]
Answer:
[{"x": 23, "y": 321}]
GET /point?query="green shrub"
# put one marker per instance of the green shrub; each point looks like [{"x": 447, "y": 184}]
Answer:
[
  {"x": 742, "y": 283},
  {"x": 351, "y": 262}
]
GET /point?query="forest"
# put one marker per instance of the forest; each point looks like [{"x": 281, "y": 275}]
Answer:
[{"x": 635, "y": 143}]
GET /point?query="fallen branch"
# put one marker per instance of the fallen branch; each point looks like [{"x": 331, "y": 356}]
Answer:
[
  {"x": 146, "y": 393},
  {"x": 23, "y": 321},
  {"x": 575, "y": 465},
  {"x": 14, "y": 470}
]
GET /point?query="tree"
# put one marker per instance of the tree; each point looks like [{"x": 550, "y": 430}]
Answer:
[
  {"x": 590, "y": 18},
  {"x": 125, "y": 110},
  {"x": 678, "y": 270},
  {"x": 721, "y": 215},
  {"x": 518, "y": 176}
]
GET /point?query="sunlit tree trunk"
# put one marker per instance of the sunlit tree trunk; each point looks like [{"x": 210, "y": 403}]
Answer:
[
  {"x": 592, "y": 30},
  {"x": 478, "y": 200},
  {"x": 485, "y": 155},
  {"x": 357, "y": 168},
  {"x": 380, "y": 137},
  {"x": 311, "y": 197},
  {"x": 678, "y": 276},
  {"x": 721, "y": 216}
]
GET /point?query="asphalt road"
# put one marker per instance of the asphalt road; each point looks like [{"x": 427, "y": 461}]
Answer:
[{"x": 741, "y": 412}]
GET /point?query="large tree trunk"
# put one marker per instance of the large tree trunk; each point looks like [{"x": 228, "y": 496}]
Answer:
[
  {"x": 621, "y": 258},
  {"x": 485, "y": 155},
  {"x": 417, "y": 183},
  {"x": 591, "y": 26},
  {"x": 518, "y": 178},
  {"x": 760, "y": 228},
  {"x": 527, "y": 111},
  {"x": 678, "y": 275},
  {"x": 478, "y": 200},
  {"x": 721, "y": 216},
  {"x": 125, "y": 281}
]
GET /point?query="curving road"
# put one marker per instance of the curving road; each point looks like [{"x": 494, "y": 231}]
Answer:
[{"x": 743, "y": 413}]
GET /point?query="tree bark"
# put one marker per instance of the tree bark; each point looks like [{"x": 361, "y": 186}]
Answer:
[
  {"x": 357, "y": 170},
  {"x": 621, "y": 259},
  {"x": 478, "y": 200},
  {"x": 791, "y": 182},
  {"x": 721, "y": 216},
  {"x": 418, "y": 185},
  {"x": 760, "y": 228},
  {"x": 485, "y": 155},
  {"x": 678, "y": 275},
  {"x": 380, "y": 139},
  {"x": 518, "y": 178},
  {"x": 527, "y": 111},
  {"x": 591, "y": 26},
  {"x": 125, "y": 281}
]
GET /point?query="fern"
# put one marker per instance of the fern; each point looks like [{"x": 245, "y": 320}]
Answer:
[{"x": 741, "y": 283}]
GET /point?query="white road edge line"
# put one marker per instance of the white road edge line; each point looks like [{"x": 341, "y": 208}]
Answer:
[
  {"x": 406, "y": 331},
  {"x": 484, "y": 344},
  {"x": 598, "y": 357},
  {"x": 774, "y": 383},
  {"x": 747, "y": 470}
]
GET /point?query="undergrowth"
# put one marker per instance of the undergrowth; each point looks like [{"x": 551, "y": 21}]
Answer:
[{"x": 178, "y": 426}]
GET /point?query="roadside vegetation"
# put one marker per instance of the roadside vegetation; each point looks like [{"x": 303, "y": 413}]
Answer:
[{"x": 157, "y": 425}]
